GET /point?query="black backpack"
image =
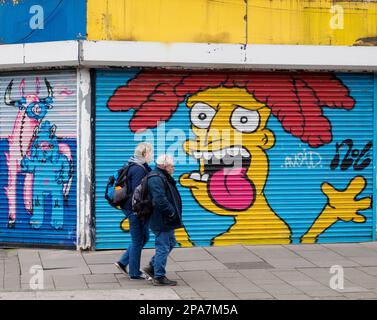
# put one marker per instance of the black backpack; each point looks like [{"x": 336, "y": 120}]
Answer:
[
  {"x": 116, "y": 192},
  {"x": 141, "y": 199}
]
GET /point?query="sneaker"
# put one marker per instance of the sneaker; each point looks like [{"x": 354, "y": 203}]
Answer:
[
  {"x": 141, "y": 277},
  {"x": 149, "y": 271},
  {"x": 163, "y": 281},
  {"x": 121, "y": 267}
]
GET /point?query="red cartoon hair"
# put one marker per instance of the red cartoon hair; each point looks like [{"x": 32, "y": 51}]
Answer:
[{"x": 296, "y": 99}]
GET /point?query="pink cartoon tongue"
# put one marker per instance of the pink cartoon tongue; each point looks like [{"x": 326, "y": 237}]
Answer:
[{"x": 231, "y": 189}]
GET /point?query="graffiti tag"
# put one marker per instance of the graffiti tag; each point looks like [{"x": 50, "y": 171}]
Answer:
[
  {"x": 353, "y": 157},
  {"x": 308, "y": 159}
]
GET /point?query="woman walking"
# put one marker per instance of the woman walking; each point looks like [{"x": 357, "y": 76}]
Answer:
[{"x": 139, "y": 230}]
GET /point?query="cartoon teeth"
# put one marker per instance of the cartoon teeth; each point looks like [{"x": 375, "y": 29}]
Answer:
[
  {"x": 198, "y": 177},
  {"x": 220, "y": 154}
]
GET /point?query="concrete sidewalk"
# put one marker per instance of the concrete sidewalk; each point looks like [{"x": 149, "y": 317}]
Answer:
[{"x": 233, "y": 272}]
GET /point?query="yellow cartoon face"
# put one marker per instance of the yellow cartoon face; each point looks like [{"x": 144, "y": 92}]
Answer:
[{"x": 230, "y": 144}]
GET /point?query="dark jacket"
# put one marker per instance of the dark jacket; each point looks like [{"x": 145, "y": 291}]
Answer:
[
  {"x": 134, "y": 176},
  {"x": 166, "y": 200}
]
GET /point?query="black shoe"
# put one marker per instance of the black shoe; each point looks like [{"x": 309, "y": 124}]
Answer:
[
  {"x": 149, "y": 271},
  {"x": 121, "y": 267},
  {"x": 163, "y": 281}
]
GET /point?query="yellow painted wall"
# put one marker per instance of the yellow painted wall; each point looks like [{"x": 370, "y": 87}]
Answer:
[
  {"x": 266, "y": 22},
  {"x": 167, "y": 20},
  {"x": 308, "y": 22}
]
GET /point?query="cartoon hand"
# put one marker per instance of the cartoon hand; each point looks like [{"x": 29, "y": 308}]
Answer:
[
  {"x": 341, "y": 205},
  {"x": 344, "y": 203}
]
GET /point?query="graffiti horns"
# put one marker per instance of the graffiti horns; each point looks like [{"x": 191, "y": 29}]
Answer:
[{"x": 47, "y": 101}]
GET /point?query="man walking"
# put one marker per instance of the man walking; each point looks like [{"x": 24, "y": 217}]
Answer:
[{"x": 166, "y": 217}]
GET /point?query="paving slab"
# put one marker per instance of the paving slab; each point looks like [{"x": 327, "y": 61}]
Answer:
[
  {"x": 201, "y": 265},
  {"x": 104, "y": 286},
  {"x": 225, "y": 273},
  {"x": 28, "y": 259},
  {"x": 324, "y": 293},
  {"x": 289, "y": 263},
  {"x": 3, "y": 254},
  {"x": 73, "y": 282},
  {"x": 349, "y": 289},
  {"x": 360, "y": 278},
  {"x": 304, "y": 247},
  {"x": 292, "y": 297},
  {"x": 370, "y": 244},
  {"x": 280, "y": 289},
  {"x": 100, "y": 278},
  {"x": 12, "y": 266},
  {"x": 351, "y": 250},
  {"x": 190, "y": 254},
  {"x": 361, "y": 295},
  {"x": 232, "y": 254},
  {"x": 261, "y": 277},
  {"x": 255, "y": 296},
  {"x": 103, "y": 268},
  {"x": 201, "y": 281},
  {"x": 11, "y": 252},
  {"x": 323, "y": 276},
  {"x": 173, "y": 275},
  {"x": 12, "y": 282},
  {"x": 365, "y": 261},
  {"x": 2, "y": 273},
  {"x": 369, "y": 270},
  {"x": 218, "y": 295},
  {"x": 26, "y": 280},
  {"x": 248, "y": 265},
  {"x": 186, "y": 293},
  {"x": 101, "y": 258},
  {"x": 119, "y": 294},
  {"x": 18, "y": 295},
  {"x": 61, "y": 259},
  {"x": 67, "y": 271},
  {"x": 327, "y": 258},
  {"x": 278, "y": 252},
  {"x": 239, "y": 285}
]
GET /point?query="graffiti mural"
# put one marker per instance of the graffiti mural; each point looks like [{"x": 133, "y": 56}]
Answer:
[
  {"x": 235, "y": 122},
  {"x": 50, "y": 170},
  {"x": 38, "y": 176}
]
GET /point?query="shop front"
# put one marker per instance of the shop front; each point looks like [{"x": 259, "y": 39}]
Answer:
[{"x": 261, "y": 157}]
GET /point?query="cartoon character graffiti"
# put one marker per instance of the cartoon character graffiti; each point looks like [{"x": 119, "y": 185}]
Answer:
[
  {"x": 32, "y": 109},
  {"x": 50, "y": 170},
  {"x": 229, "y": 114}
]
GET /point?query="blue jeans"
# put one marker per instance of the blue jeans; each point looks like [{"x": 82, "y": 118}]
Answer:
[
  {"x": 139, "y": 237},
  {"x": 165, "y": 242}
]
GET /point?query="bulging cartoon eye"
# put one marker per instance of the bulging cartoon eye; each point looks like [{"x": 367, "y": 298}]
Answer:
[
  {"x": 245, "y": 120},
  {"x": 201, "y": 115}
]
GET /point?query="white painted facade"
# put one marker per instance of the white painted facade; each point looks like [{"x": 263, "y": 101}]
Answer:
[{"x": 193, "y": 55}]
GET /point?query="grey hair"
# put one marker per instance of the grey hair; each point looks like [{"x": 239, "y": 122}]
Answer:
[
  {"x": 142, "y": 149},
  {"x": 164, "y": 159}
]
